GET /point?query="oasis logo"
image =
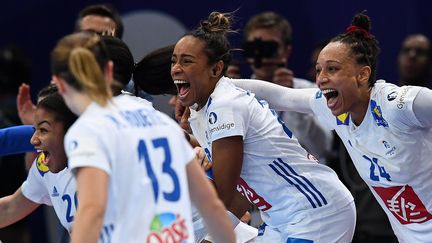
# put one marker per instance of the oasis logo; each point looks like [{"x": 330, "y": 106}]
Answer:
[
  {"x": 167, "y": 228},
  {"x": 212, "y": 118},
  {"x": 222, "y": 126},
  {"x": 392, "y": 96}
]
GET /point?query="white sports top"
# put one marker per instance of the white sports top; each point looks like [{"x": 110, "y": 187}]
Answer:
[
  {"x": 392, "y": 152},
  {"x": 145, "y": 154},
  {"x": 278, "y": 175},
  {"x": 53, "y": 189}
]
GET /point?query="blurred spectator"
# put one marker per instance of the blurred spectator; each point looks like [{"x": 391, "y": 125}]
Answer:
[
  {"x": 415, "y": 61},
  {"x": 100, "y": 18}
]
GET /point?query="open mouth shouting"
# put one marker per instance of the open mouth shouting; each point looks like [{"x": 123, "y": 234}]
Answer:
[
  {"x": 331, "y": 96},
  {"x": 183, "y": 88}
]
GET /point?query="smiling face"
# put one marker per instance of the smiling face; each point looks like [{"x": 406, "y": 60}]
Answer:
[
  {"x": 343, "y": 81},
  {"x": 48, "y": 137},
  {"x": 191, "y": 72}
]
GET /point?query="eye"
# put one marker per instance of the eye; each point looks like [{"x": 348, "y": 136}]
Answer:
[
  {"x": 332, "y": 68},
  {"x": 43, "y": 130}
]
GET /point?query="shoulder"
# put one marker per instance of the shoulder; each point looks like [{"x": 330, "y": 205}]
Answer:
[
  {"x": 395, "y": 103},
  {"x": 394, "y": 97},
  {"x": 227, "y": 94}
]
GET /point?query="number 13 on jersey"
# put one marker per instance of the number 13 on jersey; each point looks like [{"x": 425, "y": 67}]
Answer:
[{"x": 151, "y": 163}]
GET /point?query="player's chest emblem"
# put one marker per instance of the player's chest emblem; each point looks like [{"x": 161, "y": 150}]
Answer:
[{"x": 404, "y": 204}]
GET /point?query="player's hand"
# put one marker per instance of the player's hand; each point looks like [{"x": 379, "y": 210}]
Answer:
[
  {"x": 246, "y": 218},
  {"x": 284, "y": 77},
  {"x": 26, "y": 108},
  {"x": 202, "y": 158},
  {"x": 182, "y": 114}
]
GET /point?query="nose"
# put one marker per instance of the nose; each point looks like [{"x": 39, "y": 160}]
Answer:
[
  {"x": 34, "y": 140},
  {"x": 321, "y": 78},
  {"x": 175, "y": 69}
]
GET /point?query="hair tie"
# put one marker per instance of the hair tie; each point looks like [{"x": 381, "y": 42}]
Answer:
[{"x": 353, "y": 28}]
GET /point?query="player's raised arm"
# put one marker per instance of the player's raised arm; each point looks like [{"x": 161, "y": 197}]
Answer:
[{"x": 279, "y": 98}]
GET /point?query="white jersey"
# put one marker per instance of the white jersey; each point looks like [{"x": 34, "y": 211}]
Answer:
[
  {"x": 278, "y": 175},
  {"x": 53, "y": 189},
  {"x": 392, "y": 154},
  {"x": 145, "y": 154}
]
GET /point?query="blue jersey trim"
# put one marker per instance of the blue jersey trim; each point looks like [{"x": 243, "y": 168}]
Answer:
[
  {"x": 300, "y": 182},
  {"x": 290, "y": 182},
  {"x": 306, "y": 180}
]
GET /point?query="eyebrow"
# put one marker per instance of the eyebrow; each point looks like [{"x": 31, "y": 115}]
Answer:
[
  {"x": 331, "y": 61},
  {"x": 184, "y": 55},
  {"x": 42, "y": 122}
]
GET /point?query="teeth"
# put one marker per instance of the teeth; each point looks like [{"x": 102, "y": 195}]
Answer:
[
  {"x": 180, "y": 82},
  {"x": 39, "y": 150},
  {"x": 326, "y": 91}
]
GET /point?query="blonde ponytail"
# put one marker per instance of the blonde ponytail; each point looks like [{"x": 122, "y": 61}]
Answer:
[{"x": 86, "y": 70}]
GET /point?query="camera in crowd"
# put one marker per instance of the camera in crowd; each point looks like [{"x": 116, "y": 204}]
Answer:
[{"x": 259, "y": 49}]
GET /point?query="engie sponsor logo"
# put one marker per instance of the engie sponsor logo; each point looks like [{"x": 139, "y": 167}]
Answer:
[
  {"x": 401, "y": 101},
  {"x": 167, "y": 228},
  {"x": 222, "y": 126}
]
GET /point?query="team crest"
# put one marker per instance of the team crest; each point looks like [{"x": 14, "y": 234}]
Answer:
[
  {"x": 377, "y": 114},
  {"x": 42, "y": 168},
  {"x": 343, "y": 119}
]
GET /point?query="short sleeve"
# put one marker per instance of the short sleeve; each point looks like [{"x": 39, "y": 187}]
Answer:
[
  {"x": 226, "y": 119},
  {"x": 34, "y": 187},
  {"x": 400, "y": 105},
  {"x": 86, "y": 145}
]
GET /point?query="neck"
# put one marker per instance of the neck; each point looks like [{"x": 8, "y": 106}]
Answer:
[
  {"x": 359, "y": 112},
  {"x": 78, "y": 102},
  {"x": 202, "y": 103}
]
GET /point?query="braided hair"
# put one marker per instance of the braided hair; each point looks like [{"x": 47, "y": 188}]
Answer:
[
  {"x": 364, "y": 47},
  {"x": 212, "y": 32}
]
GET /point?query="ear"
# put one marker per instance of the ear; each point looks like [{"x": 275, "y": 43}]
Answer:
[
  {"x": 60, "y": 83},
  {"x": 364, "y": 74},
  {"x": 217, "y": 69},
  {"x": 108, "y": 73}
]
